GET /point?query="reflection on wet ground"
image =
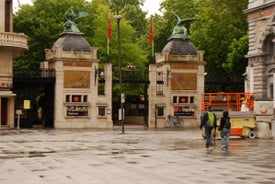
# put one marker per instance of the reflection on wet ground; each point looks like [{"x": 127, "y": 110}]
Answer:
[
  {"x": 130, "y": 143},
  {"x": 150, "y": 154}
]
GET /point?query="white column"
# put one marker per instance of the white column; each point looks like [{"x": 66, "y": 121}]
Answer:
[{"x": 250, "y": 79}]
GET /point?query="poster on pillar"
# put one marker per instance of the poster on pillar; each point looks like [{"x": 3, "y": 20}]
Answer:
[
  {"x": 183, "y": 111},
  {"x": 184, "y": 81},
  {"x": 76, "y": 79}
]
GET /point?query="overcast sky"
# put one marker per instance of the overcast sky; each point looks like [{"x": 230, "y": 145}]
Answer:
[{"x": 151, "y": 6}]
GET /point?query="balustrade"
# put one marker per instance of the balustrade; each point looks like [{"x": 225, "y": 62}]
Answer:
[{"x": 18, "y": 40}]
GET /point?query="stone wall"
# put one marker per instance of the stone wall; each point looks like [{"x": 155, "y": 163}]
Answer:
[{"x": 261, "y": 23}]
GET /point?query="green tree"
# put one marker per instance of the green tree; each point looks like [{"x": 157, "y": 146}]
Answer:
[
  {"x": 236, "y": 62},
  {"x": 164, "y": 24},
  {"x": 220, "y": 30},
  {"x": 43, "y": 22},
  {"x": 218, "y": 24}
]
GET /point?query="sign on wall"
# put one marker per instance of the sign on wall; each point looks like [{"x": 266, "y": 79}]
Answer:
[
  {"x": 27, "y": 104},
  {"x": 76, "y": 79},
  {"x": 4, "y": 86},
  {"x": 184, "y": 81}
]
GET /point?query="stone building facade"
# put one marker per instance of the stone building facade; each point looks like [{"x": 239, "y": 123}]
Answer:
[
  {"x": 83, "y": 91},
  {"x": 78, "y": 101},
  {"x": 260, "y": 72},
  {"x": 12, "y": 45},
  {"x": 176, "y": 83}
]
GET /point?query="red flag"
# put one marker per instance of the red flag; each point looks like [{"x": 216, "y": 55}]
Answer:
[
  {"x": 109, "y": 27},
  {"x": 151, "y": 35}
]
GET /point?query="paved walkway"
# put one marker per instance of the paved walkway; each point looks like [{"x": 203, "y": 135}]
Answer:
[{"x": 140, "y": 156}]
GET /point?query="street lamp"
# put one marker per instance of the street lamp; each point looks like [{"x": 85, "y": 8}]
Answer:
[
  {"x": 118, "y": 18},
  {"x": 130, "y": 67}
]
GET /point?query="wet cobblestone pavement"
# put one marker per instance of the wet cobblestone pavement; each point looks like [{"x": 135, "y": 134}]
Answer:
[{"x": 140, "y": 156}]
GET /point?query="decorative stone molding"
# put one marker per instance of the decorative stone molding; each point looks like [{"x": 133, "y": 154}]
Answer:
[
  {"x": 265, "y": 35},
  {"x": 166, "y": 56},
  {"x": 59, "y": 53},
  {"x": 17, "y": 40}
]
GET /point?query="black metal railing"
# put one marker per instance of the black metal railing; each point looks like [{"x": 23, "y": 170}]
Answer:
[
  {"x": 41, "y": 73},
  {"x": 132, "y": 77},
  {"x": 127, "y": 76}
]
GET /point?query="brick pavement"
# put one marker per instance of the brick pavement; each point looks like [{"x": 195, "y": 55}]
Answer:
[{"x": 140, "y": 156}]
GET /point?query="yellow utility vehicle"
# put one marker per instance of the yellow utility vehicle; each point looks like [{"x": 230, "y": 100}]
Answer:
[{"x": 241, "y": 111}]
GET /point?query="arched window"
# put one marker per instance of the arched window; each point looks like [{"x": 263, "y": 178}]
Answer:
[{"x": 268, "y": 47}]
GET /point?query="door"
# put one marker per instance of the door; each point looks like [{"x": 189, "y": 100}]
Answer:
[{"x": 4, "y": 111}]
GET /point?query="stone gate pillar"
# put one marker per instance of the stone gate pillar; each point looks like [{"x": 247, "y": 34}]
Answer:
[
  {"x": 176, "y": 83},
  {"x": 83, "y": 98}
]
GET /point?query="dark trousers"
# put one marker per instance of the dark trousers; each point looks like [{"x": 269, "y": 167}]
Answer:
[{"x": 208, "y": 132}]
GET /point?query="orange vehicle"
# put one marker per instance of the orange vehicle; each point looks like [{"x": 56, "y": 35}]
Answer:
[{"x": 240, "y": 107}]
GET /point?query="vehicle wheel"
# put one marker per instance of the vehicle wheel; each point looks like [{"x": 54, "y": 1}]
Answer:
[{"x": 251, "y": 135}]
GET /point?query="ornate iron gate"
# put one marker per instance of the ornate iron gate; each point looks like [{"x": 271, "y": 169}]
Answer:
[{"x": 38, "y": 87}]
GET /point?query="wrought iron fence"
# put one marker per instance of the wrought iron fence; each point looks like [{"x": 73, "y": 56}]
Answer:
[
  {"x": 132, "y": 77},
  {"x": 42, "y": 73}
]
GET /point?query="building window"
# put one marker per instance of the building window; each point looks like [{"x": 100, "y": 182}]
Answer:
[
  {"x": 101, "y": 89},
  {"x": 182, "y": 105},
  {"x": 76, "y": 98},
  {"x": 68, "y": 98},
  {"x": 183, "y": 99},
  {"x": 160, "y": 111},
  {"x": 85, "y": 98},
  {"x": 192, "y": 99},
  {"x": 175, "y": 99},
  {"x": 159, "y": 83},
  {"x": 76, "y": 105},
  {"x": 101, "y": 111},
  {"x": 8, "y": 14}
]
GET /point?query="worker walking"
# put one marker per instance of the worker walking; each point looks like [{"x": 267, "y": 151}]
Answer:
[{"x": 209, "y": 122}]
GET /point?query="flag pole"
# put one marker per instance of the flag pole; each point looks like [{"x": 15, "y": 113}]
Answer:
[
  {"x": 151, "y": 39},
  {"x": 108, "y": 45},
  {"x": 153, "y": 49},
  {"x": 109, "y": 37}
]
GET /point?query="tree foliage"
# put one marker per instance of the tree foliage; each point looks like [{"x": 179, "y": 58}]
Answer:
[
  {"x": 164, "y": 24},
  {"x": 236, "y": 62},
  {"x": 218, "y": 26},
  {"x": 44, "y": 21},
  {"x": 220, "y": 29}
]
